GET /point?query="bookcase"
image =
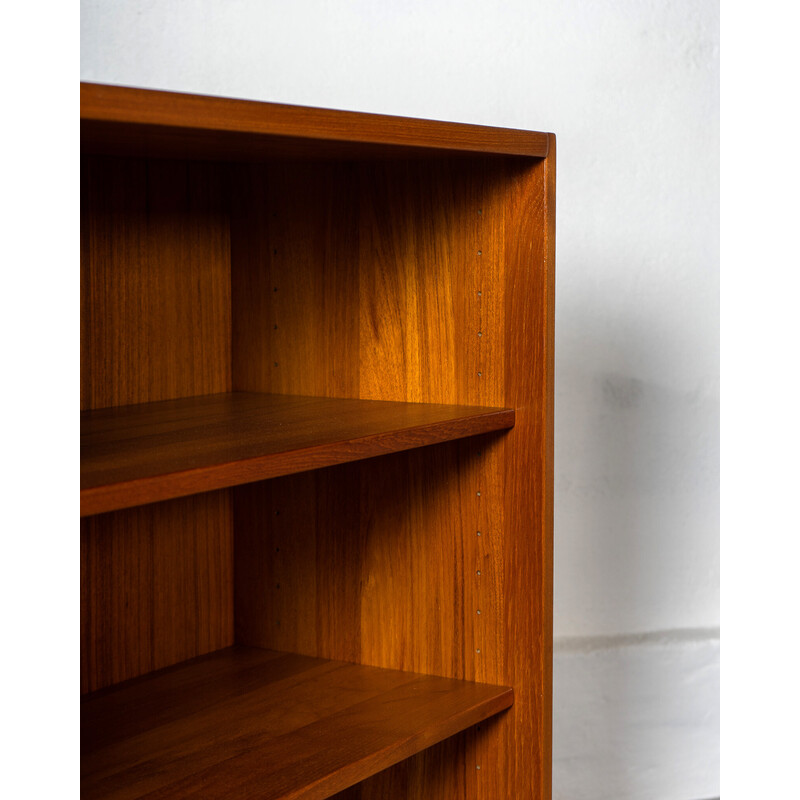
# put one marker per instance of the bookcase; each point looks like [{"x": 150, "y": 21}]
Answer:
[{"x": 316, "y": 452}]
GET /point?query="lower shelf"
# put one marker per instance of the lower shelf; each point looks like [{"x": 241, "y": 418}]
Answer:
[{"x": 245, "y": 723}]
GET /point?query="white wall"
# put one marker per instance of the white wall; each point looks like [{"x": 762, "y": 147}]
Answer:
[
  {"x": 630, "y": 87},
  {"x": 637, "y": 717}
]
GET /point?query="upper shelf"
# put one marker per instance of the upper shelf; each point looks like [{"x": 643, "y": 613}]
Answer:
[
  {"x": 146, "y": 453},
  {"x": 117, "y": 120}
]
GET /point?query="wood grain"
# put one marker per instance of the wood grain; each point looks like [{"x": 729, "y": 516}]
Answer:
[
  {"x": 157, "y": 581},
  {"x": 158, "y": 451},
  {"x": 373, "y": 280},
  {"x": 122, "y": 120},
  {"x": 155, "y": 281},
  {"x": 245, "y": 723},
  {"x": 156, "y": 587},
  {"x": 528, "y": 479}
]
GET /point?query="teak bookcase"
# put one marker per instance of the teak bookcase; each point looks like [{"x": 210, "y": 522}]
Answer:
[{"x": 316, "y": 453}]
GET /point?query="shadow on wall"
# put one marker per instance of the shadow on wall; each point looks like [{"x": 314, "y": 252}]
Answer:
[
  {"x": 636, "y": 675},
  {"x": 636, "y": 478}
]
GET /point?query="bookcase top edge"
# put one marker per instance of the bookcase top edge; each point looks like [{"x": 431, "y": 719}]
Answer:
[{"x": 109, "y": 107}]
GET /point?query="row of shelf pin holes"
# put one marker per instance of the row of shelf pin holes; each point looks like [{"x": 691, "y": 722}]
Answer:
[
  {"x": 480, "y": 294},
  {"x": 478, "y": 573},
  {"x": 480, "y": 374},
  {"x": 478, "y": 494}
]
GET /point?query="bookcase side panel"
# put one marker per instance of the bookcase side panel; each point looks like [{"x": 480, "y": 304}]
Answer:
[{"x": 528, "y": 482}]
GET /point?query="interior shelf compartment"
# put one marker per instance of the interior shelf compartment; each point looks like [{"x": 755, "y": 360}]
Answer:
[
  {"x": 250, "y": 723},
  {"x": 132, "y": 455}
]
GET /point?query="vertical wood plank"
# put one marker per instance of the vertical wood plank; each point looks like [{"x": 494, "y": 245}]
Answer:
[
  {"x": 294, "y": 279},
  {"x": 528, "y": 573},
  {"x": 156, "y": 278},
  {"x": 159, "y": 587},
  {"x": 275, "y": 564},
  {"x": 341, "y": 542}
]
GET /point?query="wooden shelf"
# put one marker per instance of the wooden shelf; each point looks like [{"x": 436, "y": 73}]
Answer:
[
  {"x": 139, "y": 454},
  {"x": 250, "y": 723}
]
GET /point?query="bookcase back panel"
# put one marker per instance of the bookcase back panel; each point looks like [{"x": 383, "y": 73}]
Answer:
[
  {"x": 155, "y": 281},
  {"x": 378, "y": 280},
  {"x": 156, "y": 587},
  {"x": 387, "y": 562}
]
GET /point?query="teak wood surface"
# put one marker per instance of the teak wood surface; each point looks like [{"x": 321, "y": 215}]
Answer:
[
  {"x": 119, "y": 120},
  {"x": 141, "y": 454},
  {"x": 246, "y": 723},
  {"x": 156, "y": 581},
  {"x": 418, "y": 280},
  {"x": 156, "y": 587}
]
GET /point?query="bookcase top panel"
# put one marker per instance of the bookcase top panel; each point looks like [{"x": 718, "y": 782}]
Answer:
[{"x": 118, "y": 120}]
